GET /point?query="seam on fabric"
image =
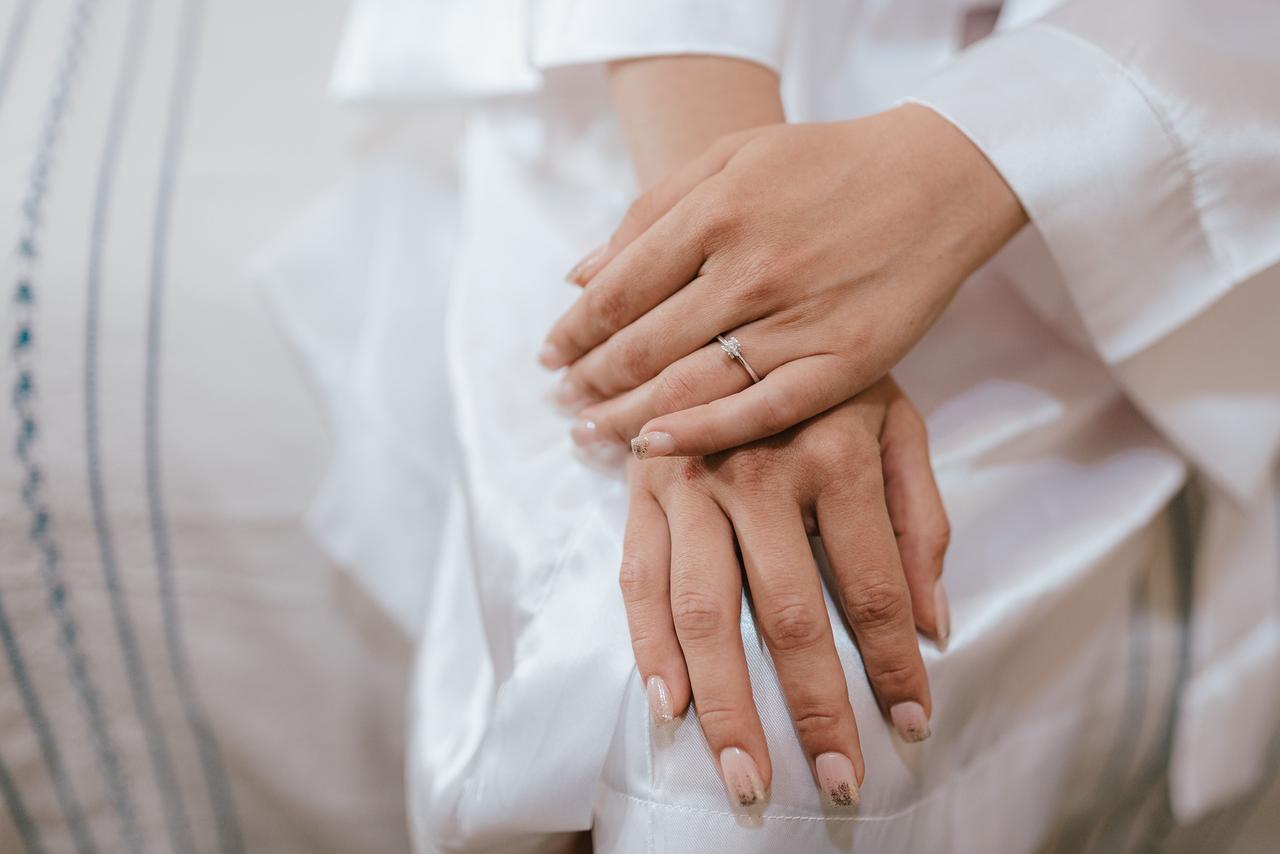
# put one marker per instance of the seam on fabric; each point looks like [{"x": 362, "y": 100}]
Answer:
[{"x": 1182, "y": 155}]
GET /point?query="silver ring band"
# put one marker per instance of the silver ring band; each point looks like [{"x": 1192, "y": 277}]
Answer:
[{"x": 733, "y": 349}]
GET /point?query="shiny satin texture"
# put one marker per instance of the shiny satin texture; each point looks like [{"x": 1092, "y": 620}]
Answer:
[{"x": 1113, "y": 351}]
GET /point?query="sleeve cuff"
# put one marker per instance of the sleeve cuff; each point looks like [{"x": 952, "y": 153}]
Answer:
[
  {"x": 1099, "y": 172},
  {"x": 568, "y": 32}
]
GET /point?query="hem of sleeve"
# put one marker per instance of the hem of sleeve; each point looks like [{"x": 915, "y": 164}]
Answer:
[
  {"x": 575, "y": 32},
  {"x": 1099, "y": 172}
]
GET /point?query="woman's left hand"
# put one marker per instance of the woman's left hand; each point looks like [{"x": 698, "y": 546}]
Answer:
[{"x": 827, "y": 250}]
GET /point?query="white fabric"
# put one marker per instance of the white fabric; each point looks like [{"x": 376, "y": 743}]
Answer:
[
  {"x": 1142, "y": 139},
  {"x": 250, "y": 693},
  {"x": 1065, "y": 401}
]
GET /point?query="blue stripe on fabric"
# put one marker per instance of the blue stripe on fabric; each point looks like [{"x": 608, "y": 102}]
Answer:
[
  {"x": 17, "y": 810},
  {"x": 48, "y": 748},
  {"x": 162, "y": 765},
  {"x": 32, "y": 479},
  {"x": 13, "y": 41},
  {"x": 230, "y": 839}
]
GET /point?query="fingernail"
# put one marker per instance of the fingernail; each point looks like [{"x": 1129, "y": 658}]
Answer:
[
  {"x": 571, "y": 396},
  {"x": 575, "y": 275},
  {"x": 835, "y": 775},
  {"x": 910, "y": 721},
  {"x": 659, "y": 700},
  {"x": 941, "y": 615},
  {"x": 653, "y": 445},
  {"x": 741, "y": 776},
  {"x": 585, "y": 433},
  {"x": 551, "y": 357}
]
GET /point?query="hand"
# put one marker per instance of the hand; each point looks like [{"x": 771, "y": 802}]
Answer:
[
  {"x": 859, "y": 474},
  {"x": 826, "y": 249}
]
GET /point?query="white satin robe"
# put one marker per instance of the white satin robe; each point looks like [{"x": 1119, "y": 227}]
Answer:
[{"x": 1114, "y": 669}]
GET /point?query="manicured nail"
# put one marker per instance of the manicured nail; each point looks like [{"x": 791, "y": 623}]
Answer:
[
  {"x": 653, "y": 445},
  {"x": 835, "y": 775},
  {"x": 941, "y": 615},
  {"x": 910, "y": 721},
  {"x": 551, "y": 357},
  {"x": 741, "y": 776},
  {"x": 576, "y": 275},
  {"x": 571, "y": 396},
  {"x": 659, "y": 700},
  {"x": 585, "y": 433}
]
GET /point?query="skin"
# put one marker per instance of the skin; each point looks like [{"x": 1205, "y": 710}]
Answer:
[
  {"x": 859, "y": 475},
  {"x": 857, "y": 472},
  {"x": 827, "y": 249}
]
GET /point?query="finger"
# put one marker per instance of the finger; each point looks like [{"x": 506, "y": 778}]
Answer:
[
  {"x": 863, "y": 556},
  {"x": 700, "y": 377},
  {"x": 917, "y": 514},
  {"x": 646, "y": 592},
  {"x": 706, "y": 593},
  {"x": 651, "y": 205},
  {"x": 789, "y": 394},
  {"x": 664, "y": 259},
  {"x": 678, "y": 326},
  {"x": 703, "y": 376},
  {"x": 787, "y": 592}
]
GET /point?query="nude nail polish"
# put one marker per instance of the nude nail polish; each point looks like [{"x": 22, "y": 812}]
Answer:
[
  {"x": 741, "y": 776},
  {"x": 653, "y": 445},
  {"x": 576, "y": 275},
  {"x": 570, "y": 396},
  {"x": 585, "y": 433},
  {"x": 941, "y": 615},
  {"x": 910, "y": 721},
  {"x": 550, "y": 356},
  {"x": 659, "y": 700},
  {"x": 838, "y": 780}
]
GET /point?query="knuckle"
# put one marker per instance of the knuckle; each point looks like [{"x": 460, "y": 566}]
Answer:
[
  {"x": 792, "y": 627},
  {"x": 876, "y": 604},
  {"x": 777, "y": 410},
  {"x": 715, "y": 716},
  {"x": 607, "y": 306},
  {"x": 639, "y": 212},
  {"x": 693, "y": 470},
  {"x": 892, "y": 678},
  {"x": 697, "y": 616},
  {"x": 757, "y": 471},
  {"x": 630, "y": 361},
  {"x": 634, "y": 579},
  {"x": 856, "y": 458},
  {"x": 645, "y": 640},
  {"x": 673, "y": 390},
  {"x": 938, "y": 540},
  {"x": 718, "y": 219},
  {"x": 815, "y": 722}
]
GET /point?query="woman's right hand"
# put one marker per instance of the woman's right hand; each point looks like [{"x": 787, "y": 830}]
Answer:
[{"x": 860, "y": 475}]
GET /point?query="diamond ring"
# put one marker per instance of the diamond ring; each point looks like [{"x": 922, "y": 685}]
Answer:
[{"x": 733, "y": 350}]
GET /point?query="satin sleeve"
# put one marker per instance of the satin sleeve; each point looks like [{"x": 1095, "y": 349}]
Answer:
[
  {"x": 1143, "y": 140},
  {"x": 449, "y": 49}
]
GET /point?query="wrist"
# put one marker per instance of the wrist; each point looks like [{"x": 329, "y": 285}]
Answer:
[
  {"x": 976, "y": 208},
  {"x": 672, "y": 108}
]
